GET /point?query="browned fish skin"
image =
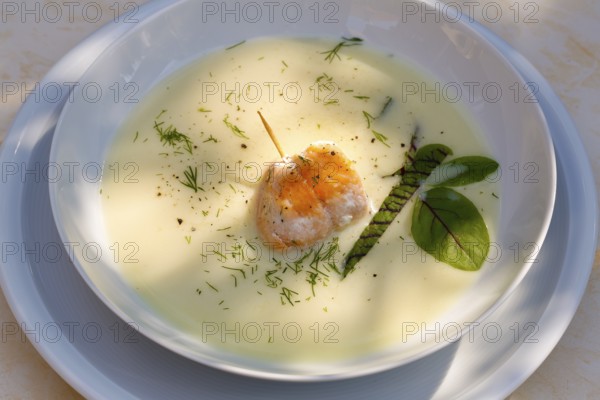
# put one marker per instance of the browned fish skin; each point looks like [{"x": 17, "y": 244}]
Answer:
[{"x": 306, "y": 197}]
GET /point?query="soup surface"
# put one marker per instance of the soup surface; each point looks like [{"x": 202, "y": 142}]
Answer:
[{"x": 180, "y": 199}]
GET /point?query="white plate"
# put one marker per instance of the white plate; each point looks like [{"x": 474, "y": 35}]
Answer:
[
  {"x": 97, "y": 353},
  {"x": 514, "y": 131}
]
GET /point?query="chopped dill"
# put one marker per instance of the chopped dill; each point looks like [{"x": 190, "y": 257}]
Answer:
[
  {"x": 241, "y": 271},
  {"x": 191, "y": 176},
  {"x": 287, "y": 294},
  {"x": 385, "y": 106},
  {"x": 234, "y": 128},
  {"x": 325, "y": 77},
  {"x": 381, "y": 137},
  {"x": 212, "y": 287},
  {"x": 223, "y": 256},
  {"x": 160, "y": 114},
  {"x": 188, "y": 239},
  {"x": 495, "y": 195},
  {"x": 235, "y": 45},
  {"x": 204, "y": 110},
  {"x": 172, "y": 137},
  {"x": 362, "y": 97},
  {"x": 272, "y": 281},
  {"x": 312, "y": 279},
  {"x": 137, "y": 133},
  {"x": 304, "y": 160},
  {"x": 211, "y": 139},
  {"x": 346, "y": 42},
  {"x": 369, "y": 119}
]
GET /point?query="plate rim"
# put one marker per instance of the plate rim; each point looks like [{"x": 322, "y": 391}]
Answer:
[{"x": 21, "y": 124}]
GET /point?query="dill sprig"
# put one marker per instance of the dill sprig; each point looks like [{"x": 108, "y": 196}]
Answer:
[
  {"x": 287, "y": 294},
  {"x": 241, "y": 271},
  {"x": 235, "y": 45},
  {"x": 234, "y": 128},
  {"x": 370, "y": 119},
  {"x": 211, "y": 139},
  {"x": 191, "y": 179},
  {"x": 211, "y": 286},
  {"x": 172, "y": 137},
  {"x": 380, "y": 137},
  {"x": 272, "y": 281},
  {"x": 325, "y": 77},
  {"x": 346, "y": 42},
  {"x": 387, "y": 104}
]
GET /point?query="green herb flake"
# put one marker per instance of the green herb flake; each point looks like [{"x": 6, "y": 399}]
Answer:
[
  {"x": 211, "y": 139},
  {"x": 369, "y": 119},
  {"x": 234, "y": 128},
  {"x": 387, "y": 104},
  {"x": 235, "y": 45},
  {"x": 172, "y": 137},
  {"x": 346, "y": 42},
  {"x": 288, "y": 294},
  {"x": 191, "y": 176},
  {"x": 212, "y": 287},
  {"x": 381, "y": 137}
]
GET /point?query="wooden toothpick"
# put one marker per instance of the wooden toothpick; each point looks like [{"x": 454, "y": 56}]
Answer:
[{"x": 272, "y": 135}]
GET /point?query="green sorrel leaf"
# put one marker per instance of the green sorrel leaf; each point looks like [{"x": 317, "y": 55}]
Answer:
[
  {"x": 448, "y": 226},
  {"x": 463, "y": 171}
]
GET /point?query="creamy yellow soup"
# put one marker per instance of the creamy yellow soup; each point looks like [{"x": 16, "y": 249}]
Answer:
[{"x": 192, "y": 155}]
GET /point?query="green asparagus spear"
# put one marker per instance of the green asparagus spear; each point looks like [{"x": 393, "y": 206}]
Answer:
[{"x": 418, "y": 166}]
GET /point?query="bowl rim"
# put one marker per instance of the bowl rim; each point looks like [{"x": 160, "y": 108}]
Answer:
[{"x": 472, "y": 27}]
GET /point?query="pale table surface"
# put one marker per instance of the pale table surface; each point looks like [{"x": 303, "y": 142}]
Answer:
[{"x": 561, "y": 39}]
